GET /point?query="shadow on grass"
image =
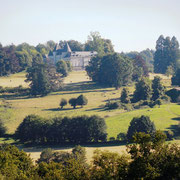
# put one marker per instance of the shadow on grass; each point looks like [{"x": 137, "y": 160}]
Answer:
[
  {"x": 59, "y": 109},
  {"x": 99, "y": 109},
  {"x": 176, "y": 118}
]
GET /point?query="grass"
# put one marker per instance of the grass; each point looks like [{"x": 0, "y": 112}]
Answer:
[
  {"x": 14, "y": 109},
  {"x": 14, "y": 80}
]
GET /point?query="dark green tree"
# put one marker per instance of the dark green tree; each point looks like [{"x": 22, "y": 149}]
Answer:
[
  {"x": 2, "y": 128},
  {"x": 61, "y": 67},
  {"x": 143, "y": 90},
  {"x": 63, "y": 103},
  {"x": 125, "y": 96},
  {"x": 167, "y": 54},
  {"x": 157, "y": 88},
  {"x": 176, "y": 78},
  {"x": 38, "y": 77},
  {"x": 73, "y": 102},
  {"x": 140, "y": 124},
  {"x": 112, "y": 70},
  {"x": 81, "y": 100}
]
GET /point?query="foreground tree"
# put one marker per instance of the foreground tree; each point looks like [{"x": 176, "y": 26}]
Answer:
[
  {"x": 15, "y": 164},
  {"x": 152, "y": 158},
  {"x": 140, "y": 124}
]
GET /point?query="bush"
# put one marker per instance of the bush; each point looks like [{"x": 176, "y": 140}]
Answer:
[
  {"x": 2, "y": 129},
  {"x": 63, "y": 103},
  {"x": 122, "y": 137},
  {"x": 170, "y": 134},
  {"x": 140, "y": 124},
  {"x": 113, "y": 105},
  {"x": 173, "y": 94}
]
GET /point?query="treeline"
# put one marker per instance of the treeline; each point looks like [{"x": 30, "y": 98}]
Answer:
[
  {"x": 149, "y": 157},
  {"x": 81, "y": 129}
]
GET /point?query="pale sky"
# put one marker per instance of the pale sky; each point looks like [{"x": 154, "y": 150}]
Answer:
[{"x": 132, "y": 25}]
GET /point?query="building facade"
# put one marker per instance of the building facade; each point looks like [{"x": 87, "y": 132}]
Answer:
[{"x": 78, "y": 59}]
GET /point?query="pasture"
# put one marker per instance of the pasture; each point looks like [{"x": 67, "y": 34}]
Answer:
[{"x": 13, "y": 109}]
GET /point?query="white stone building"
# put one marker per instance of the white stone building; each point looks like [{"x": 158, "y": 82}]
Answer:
[{"x": 78, "y": 59}]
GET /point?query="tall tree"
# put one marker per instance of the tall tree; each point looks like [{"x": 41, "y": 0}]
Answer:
[
  {"x": 143, "y": 90},
  {"x": 38, "y": 78},
  {"x": 113, "y": 70},
  {"x": 167, "y": 54},
  {"x": 158, "y": 88}
]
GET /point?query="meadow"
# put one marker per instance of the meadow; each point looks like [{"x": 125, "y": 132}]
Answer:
[{"x": 13, "y": 109}]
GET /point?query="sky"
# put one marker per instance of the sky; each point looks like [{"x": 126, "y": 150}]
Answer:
[{"x": 132, "y": 25}]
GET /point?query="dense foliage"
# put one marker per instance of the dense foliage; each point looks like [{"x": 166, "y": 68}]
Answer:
[
  {"x": 42, "y": 77},
  {"x": 142, "y": 90},
  {"x": 167, "y": 54},
  {"x": 176, "y": 78},
  {"x": 112, "y": 70},
  {"x": 63, "y": 67},
  {"x": 140, "y": 124},
  {"x": 78, "y": 129}
]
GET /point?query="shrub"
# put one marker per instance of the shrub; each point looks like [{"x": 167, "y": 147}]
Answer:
[
  {"x": 170, "y": 134},
  {"x": 113, "y": 105},
  {"x": 173, "y": 94},
  {"x": 63, "y": 103},
  {"x": 158, "y": 102},
  {"x": 122, "y": 137},
  {"x": 140, "y": 124}
]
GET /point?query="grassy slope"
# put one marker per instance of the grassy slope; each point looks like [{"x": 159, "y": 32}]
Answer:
[{"x": 78, "y": 83}]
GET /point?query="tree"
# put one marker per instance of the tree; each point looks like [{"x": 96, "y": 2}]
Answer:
[
  {"x": 113, "y": 70},
  {"x": 33, "y": 129},
  {"x": 125, "y": 96},
  {"x": 2, "y": 128},
  {"x": 109, "y": 165},
  {"x": 61, "y": 67},
  {"x": 143, "y": 90},
  {"x": 157, "y": 88},
  {"x": 81, "y": 100},
  {"x": 140, "y": 124},
  {"x": 167, "y": 54},
  {"x": 63, "y": 103},
  {"x": 96, "y": 43},
  {"x": 38, "y": 77},
  {"x": 176, "y": 78},
  {"x": 15, "y": 164},
  {"x": 73, "y": 102},
  {"x": 75, "y": 45},
  {"x": 152, "y": 158}
]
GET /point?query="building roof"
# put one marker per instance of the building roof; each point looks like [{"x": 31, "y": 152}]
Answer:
[{"x": 67, "y": 48}]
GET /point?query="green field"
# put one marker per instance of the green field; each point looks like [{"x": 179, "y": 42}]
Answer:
[
  {"x": 78, "y": 83},
  {"x": 13, "y": 109}
]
